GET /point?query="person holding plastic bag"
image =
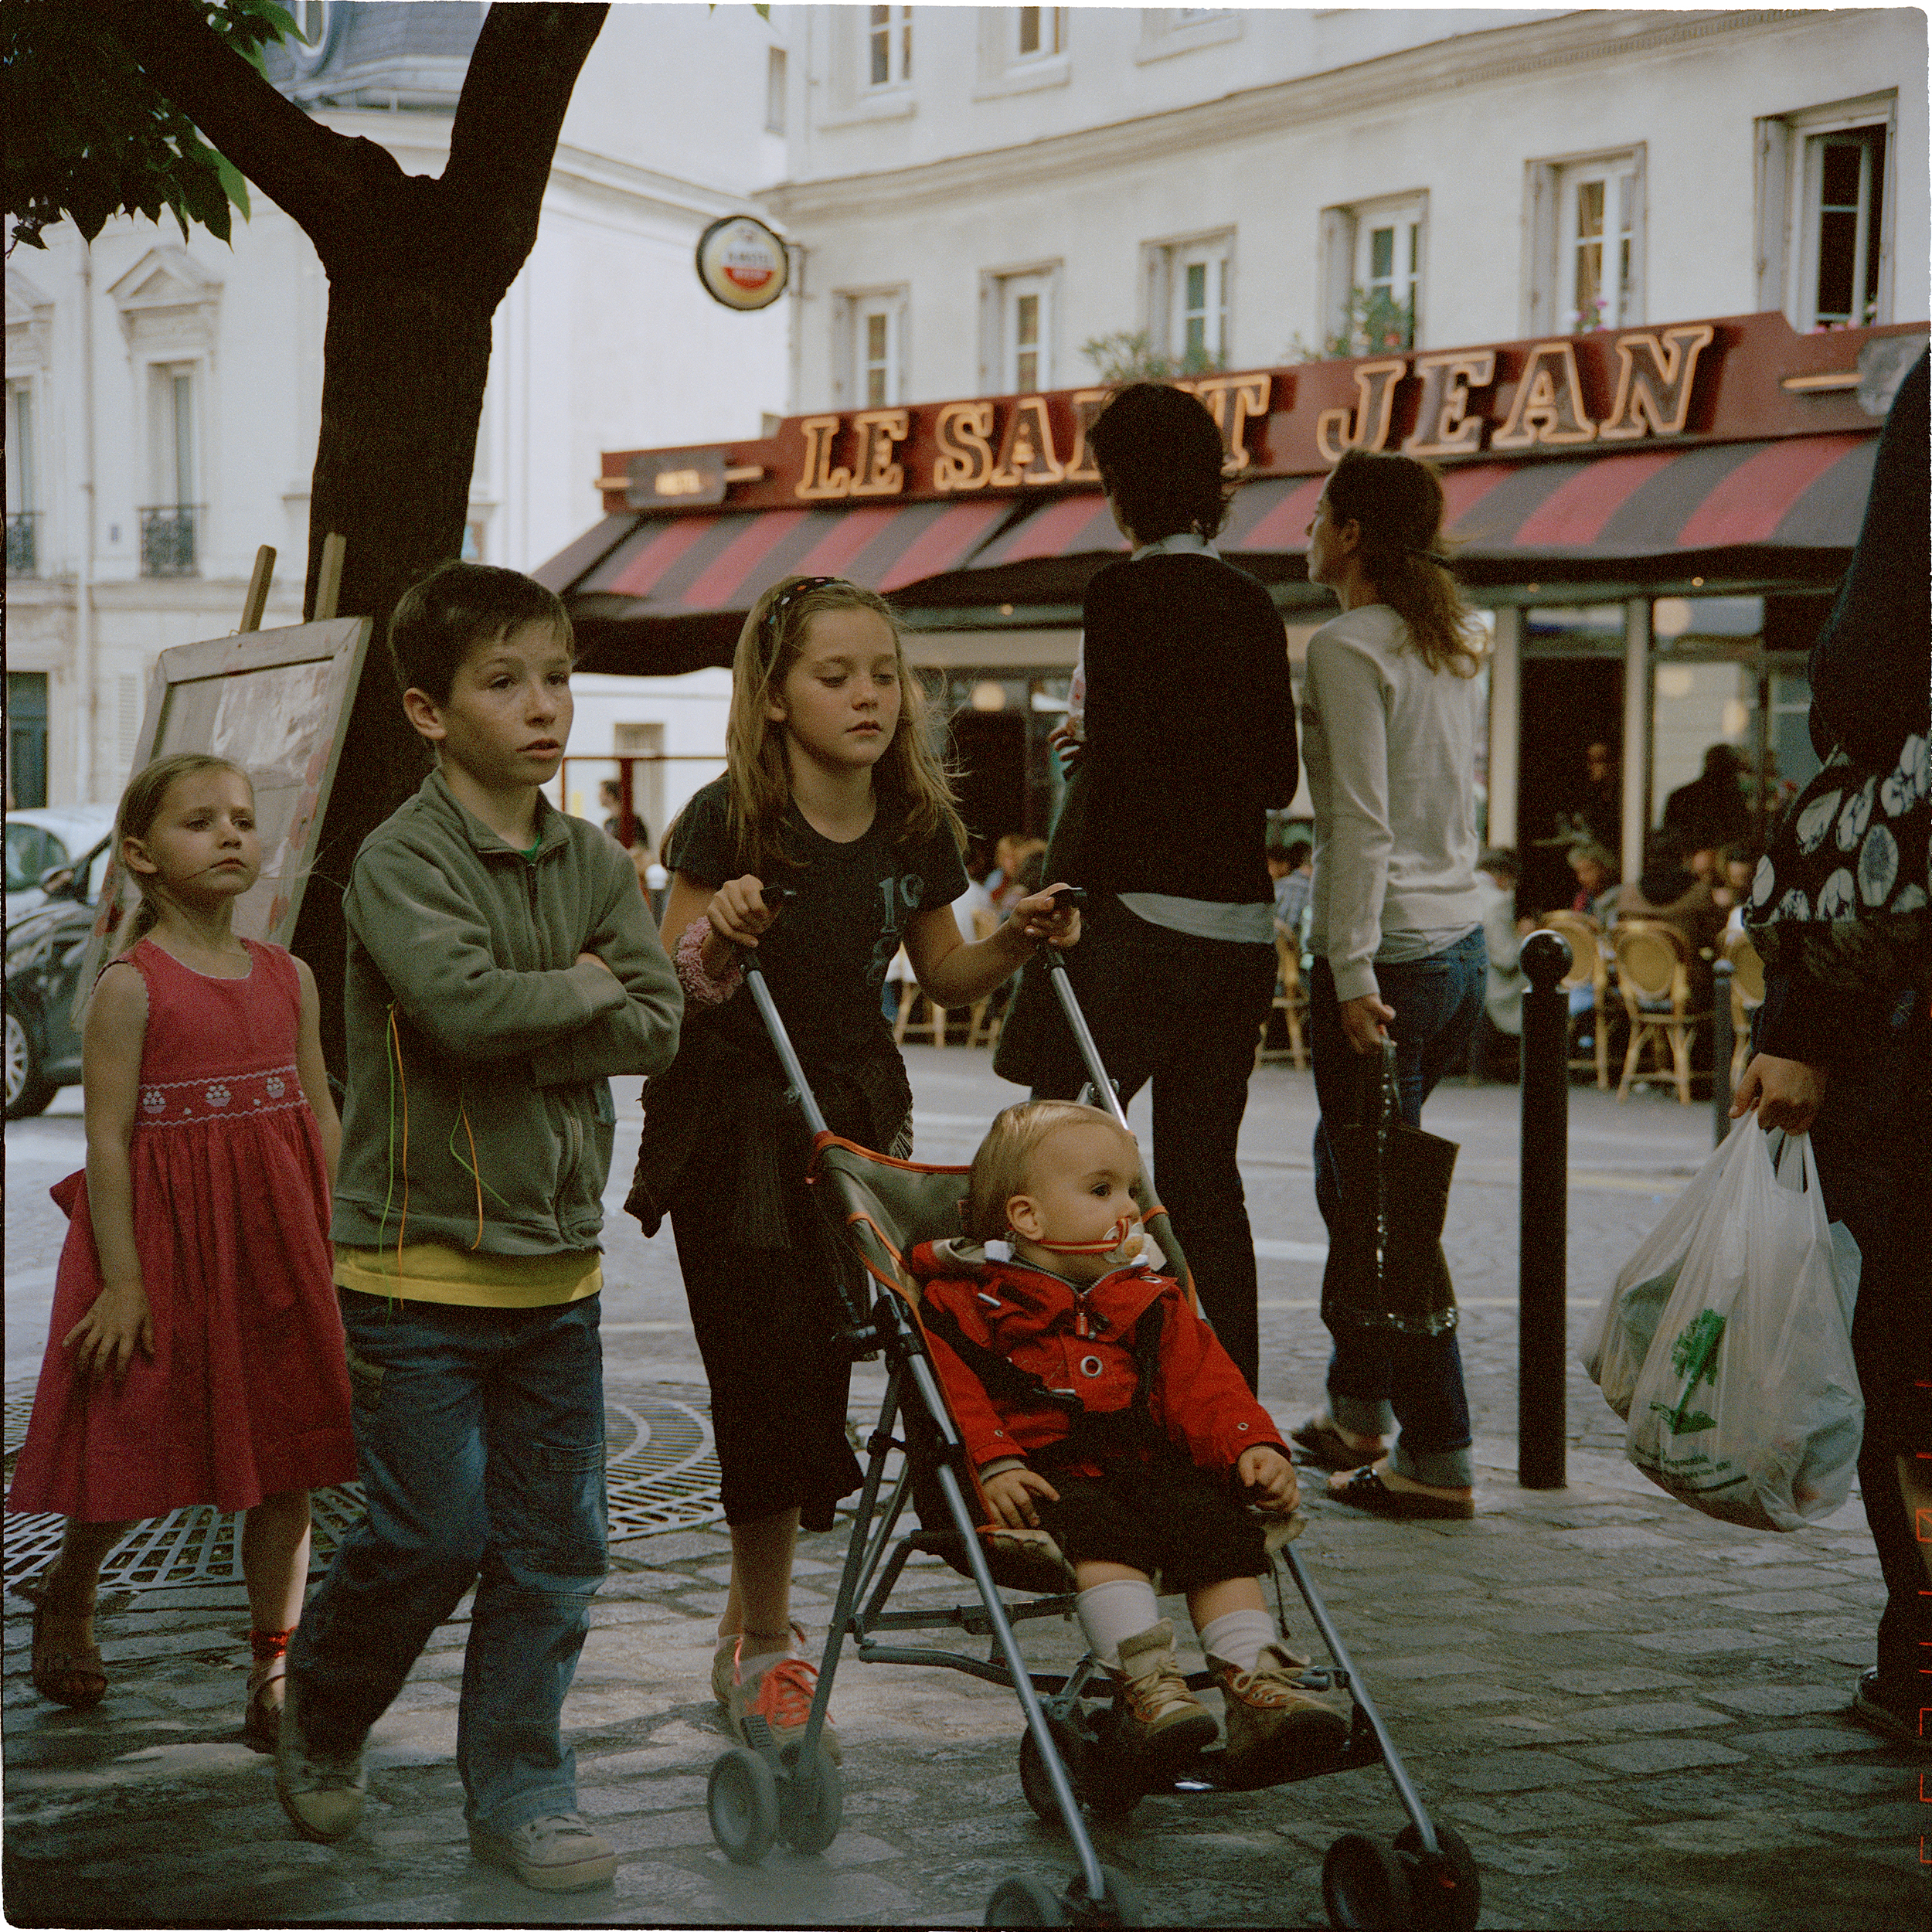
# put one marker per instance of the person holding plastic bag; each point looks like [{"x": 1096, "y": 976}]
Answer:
[
  {"x": 1844, "y": 1038},
  {"x": 1744, "y": 1403}
]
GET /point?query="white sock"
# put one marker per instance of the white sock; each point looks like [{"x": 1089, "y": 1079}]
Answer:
[
  {"x": 1121, "y": 1606},
  {"x": 1239, "y": 1637}
]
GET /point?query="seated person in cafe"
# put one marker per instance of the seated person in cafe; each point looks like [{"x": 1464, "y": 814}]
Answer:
[
  {"x": 1596, "y": 886},
  {"x": 1667, "y": 889}
]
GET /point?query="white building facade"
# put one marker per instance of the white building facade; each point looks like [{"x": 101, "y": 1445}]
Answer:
[
  {"x": 164, "y": 395},
  {"x": 975, "y": 193}
]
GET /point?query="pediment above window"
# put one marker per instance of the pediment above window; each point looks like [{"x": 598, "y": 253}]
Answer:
[{"x": 166, "y": 299}]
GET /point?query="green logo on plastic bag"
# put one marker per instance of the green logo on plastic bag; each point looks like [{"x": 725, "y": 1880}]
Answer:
[{"x": 1694, "y": 1355}]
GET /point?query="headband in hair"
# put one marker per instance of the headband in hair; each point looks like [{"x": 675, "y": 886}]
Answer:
[
  {"x": 1430, "y": 554},
  {"x": 789, "y": 595}
]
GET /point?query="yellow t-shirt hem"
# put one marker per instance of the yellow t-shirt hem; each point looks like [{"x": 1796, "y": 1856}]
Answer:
[{"x": 428, "y": 1271}]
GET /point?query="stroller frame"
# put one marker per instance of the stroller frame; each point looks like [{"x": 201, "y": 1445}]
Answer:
[{"x": 762, "y": 1793}]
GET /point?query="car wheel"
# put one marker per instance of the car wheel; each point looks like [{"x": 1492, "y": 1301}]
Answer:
[{"x": 27, "y": 1091}]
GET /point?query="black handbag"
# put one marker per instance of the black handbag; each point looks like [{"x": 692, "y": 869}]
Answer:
[
  {"x": 1386, "y": 1268},
  {"x": 1842, "y": 893}
]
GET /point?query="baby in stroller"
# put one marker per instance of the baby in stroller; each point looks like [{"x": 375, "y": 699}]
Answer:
[{"x": 1097, "y": 1404}]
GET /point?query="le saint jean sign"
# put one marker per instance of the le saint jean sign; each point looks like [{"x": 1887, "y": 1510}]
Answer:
[{"x": 1744, "y": 377}]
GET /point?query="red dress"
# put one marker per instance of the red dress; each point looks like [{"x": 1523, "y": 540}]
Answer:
[{"x": 247, "y": 1391}]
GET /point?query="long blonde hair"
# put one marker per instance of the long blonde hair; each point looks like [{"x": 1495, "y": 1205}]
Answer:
[
  {"x": 1397, "y": 501},
  {"x": 141, "y": 805},
  {"x": 914, "y": 794}
]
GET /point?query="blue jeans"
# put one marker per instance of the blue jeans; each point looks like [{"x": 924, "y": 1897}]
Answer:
[
  {"x": 479, "y": 1433},
  {"x": 1378, "y": 1377}
]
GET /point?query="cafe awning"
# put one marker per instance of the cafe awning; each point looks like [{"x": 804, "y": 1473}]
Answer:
[{"x": 652, "y": 593}]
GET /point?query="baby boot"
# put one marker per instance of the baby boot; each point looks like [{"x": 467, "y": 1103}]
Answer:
[
  {"x": 1160, "y": 1720},
  {"x": 1275, "y": 1730}
]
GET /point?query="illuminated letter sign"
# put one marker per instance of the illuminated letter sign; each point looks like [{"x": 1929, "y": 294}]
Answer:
[
  {"x": 875, "y": 473},
  {"x": 1375, "y": 393},
  {"x": 1443, "y": 425},
  {"x": 965, "y": 459},
  {"x": 1249, "y": 395},
  {"x": 820, "y": 479},
  {"x": 1653, "y": 381},
  {"x": 1087, "y": 404},
  {"x": 1549, "y": 405},
  {"x": 1026, "y": 456}
]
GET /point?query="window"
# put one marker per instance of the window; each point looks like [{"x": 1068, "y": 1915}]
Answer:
[
  {"x": 1025, "y": 340},
  {"x": 1188, "y": 284},
  {"x": 775, "y": 90},
  {"x": 1825, "y": 191},
  {"x": 1165, "y": 30},
  {"x": 23, "y": 486},
  {"x": 1371, "y": 263},
  {"x": 1844, "y": 209},
  {"x": 868, "y": 348},
  {"x": 168, "y": 532},
  {"x": 1586, "y": 262},
  {"x": 1596, "y": 264},
  {"x": 889, "y": 46},
  {"x": 27, "y": 847},
  {"x": 1039, "y": 32}
]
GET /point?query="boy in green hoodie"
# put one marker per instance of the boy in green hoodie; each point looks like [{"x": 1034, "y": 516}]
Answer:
[{"x": 503, "y": 965}]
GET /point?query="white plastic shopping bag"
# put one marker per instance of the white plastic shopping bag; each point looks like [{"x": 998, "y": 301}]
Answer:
[{"x": 1748, "y": 1405}]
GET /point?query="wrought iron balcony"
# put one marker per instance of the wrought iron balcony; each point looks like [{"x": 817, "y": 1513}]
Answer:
[
  {"x": 168, "y": 540},
  {"x": 23, "y": 547}
]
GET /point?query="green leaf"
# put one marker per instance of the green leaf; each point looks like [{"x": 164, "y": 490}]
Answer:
[{"x": 234, "y": 182}]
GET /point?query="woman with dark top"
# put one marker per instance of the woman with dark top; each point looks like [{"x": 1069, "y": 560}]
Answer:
[
  {"x": 1190, "y": 741},
  {"x": 1847, "y": 1056},
  {"x": 1667, "y": 888}
]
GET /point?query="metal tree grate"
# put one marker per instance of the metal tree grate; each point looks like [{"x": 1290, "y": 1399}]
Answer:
[{"x": 661, "y": 1473}]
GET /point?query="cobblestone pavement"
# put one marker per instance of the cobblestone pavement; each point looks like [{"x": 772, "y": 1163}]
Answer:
[{"x": 1635, "y": 1715}]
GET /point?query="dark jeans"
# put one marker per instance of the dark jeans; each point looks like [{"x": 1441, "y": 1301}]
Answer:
[
  {"x": 1186, "y": 1013},
  {"x": 1379, "y": 1377},
  {"x": 479, "y": 1434},
  {"x": 1874, "y": 1151}
]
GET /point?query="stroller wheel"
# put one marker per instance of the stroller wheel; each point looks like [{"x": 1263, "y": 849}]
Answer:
[
  {"x": 810, "y": 1798},
  {"x": 1119, "y": 1903},
  {"x": 1034, "y": 1781},
  {"x": 1026, "y": 1902},
  {"x": 1364, "y": 1886},
  {"x": 1448, "y": 1890},
  {"x": 742, "y": 1799}
]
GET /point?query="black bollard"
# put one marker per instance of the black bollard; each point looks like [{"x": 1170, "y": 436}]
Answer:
[
  {"x": 1542, "y": 1256},
  {"x": 1723, "y": 1044}
]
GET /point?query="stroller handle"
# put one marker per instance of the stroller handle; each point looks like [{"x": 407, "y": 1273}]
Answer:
[{"x": 1055, "y": 960}]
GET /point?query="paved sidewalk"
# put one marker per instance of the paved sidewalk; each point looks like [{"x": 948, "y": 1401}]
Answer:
[{"x": 1635, "y": 1715}]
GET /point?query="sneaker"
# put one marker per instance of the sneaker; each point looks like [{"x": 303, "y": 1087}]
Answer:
[
  {"x": 1160, "y": 1720},
  {"x": 559, "y": 1854},
  {"x": 724, "y": 1665},
  {"x": 1894, "y": 1714},
  {"x": 321, "y": 1791},
  {"x": 1275, "y": 1730},
  {"x": 769, "y": 1697}
]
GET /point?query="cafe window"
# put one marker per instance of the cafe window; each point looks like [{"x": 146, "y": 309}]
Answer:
[
  {"x": 1587, "y": 225},
  {"x": 1824, "y": 197}
]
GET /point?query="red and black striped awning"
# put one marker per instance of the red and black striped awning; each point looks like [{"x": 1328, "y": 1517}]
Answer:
[{"x": 1785, "y": 509}]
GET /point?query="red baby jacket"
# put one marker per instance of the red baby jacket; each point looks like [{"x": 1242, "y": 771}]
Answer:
[{"x": 1085, "y": 1343}]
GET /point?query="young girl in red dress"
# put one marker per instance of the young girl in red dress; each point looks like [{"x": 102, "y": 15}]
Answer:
[{"x": 195, "y": 1355}]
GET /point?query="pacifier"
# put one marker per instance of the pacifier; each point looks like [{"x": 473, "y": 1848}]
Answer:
[{"x": 1125, "y": 1244}]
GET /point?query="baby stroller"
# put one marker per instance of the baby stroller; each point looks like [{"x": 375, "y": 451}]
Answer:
[{"x": 761, "y": 1793}]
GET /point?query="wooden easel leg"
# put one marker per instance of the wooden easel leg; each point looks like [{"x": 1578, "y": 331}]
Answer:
[{"x": 256, "y": 600}]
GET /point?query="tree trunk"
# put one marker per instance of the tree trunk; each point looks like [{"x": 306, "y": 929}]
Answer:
[{"x": 404, "y": 363}]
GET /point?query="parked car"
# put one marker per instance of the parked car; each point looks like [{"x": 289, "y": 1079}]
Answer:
[
  {"x": 46, "y": 949},
  {"x": 45, "y": 838}
]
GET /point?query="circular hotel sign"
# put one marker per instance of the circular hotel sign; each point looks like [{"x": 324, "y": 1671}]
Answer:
[{"x": 742, "y": 263}]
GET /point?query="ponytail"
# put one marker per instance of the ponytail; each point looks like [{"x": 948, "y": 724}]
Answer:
[{"x": 1397, "y": 503}]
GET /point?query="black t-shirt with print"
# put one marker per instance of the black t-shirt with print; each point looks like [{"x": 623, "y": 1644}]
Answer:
[{"x": 825, "y": 955}]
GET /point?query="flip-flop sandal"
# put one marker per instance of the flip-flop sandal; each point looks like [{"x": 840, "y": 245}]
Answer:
[
  {"x": 1326, "y": 1447},
  {"x": 1365, "y": 1490},
  {"x": 76, "y": 1679}
]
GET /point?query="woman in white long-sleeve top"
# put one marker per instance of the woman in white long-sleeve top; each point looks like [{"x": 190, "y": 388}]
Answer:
[{"x": 1391, "y": 708}]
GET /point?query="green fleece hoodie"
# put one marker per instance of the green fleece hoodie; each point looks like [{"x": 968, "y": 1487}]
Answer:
[{"x": 500, "y": 1040}]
